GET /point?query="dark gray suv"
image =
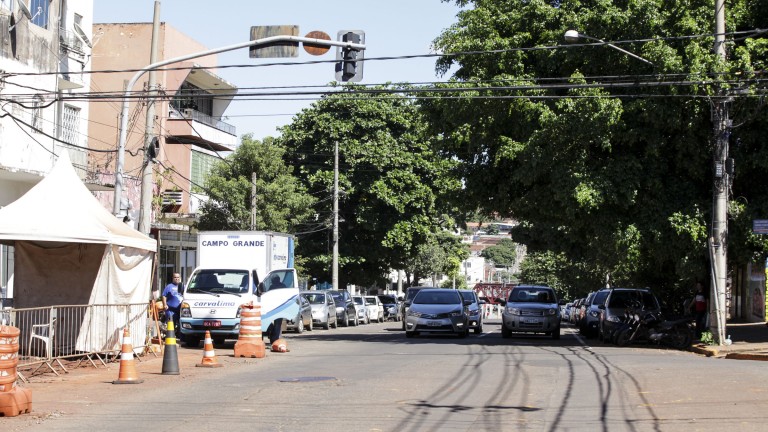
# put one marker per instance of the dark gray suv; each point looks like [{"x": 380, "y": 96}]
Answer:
[
  {"x": 616, "y": 303},
  {"x": 531, "y": 309}
]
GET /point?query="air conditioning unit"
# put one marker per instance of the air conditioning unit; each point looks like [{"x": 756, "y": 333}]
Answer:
[{"x": 172, "y": 198}]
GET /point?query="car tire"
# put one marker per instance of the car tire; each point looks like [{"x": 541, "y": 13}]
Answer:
[
  {"x": 300, "y": 325},
  {"x": 556, "y": 334},
  {"x": 335, "y": 322},
  {"x": 505, "y": 332},
  {"x": 403, "y": 324},
  {"x": 463, "y": 334},
  {"x": 344, "y": 320},
  {"x": 311, "y": 326},
  {"x": 356, "y": 322},
  {"x": 478, "y": 329},
  {"x": 327, "y": 323}
]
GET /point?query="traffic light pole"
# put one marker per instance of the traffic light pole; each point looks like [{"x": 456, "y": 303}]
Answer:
[{"x": 116, "y": 210}]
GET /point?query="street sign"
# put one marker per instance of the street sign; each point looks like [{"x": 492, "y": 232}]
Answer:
[
  {"x": 315, "y": 49},
  {"x": 760, "y": 226},
  {"x": 276, "y": 49}
]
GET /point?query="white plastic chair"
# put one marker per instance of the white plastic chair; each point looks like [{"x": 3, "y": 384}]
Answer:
[{"x": 45, "y": 333}]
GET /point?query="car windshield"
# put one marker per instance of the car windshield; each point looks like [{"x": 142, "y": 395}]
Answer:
[
  {"x": 411, "y": 294},
  {"x": 219, "y": 281},
  {"x": 387, "y": 300},
  {"x": 468, "y": 295},
  {"x": 370, "y": 301},
  {"x": 437, "y": 297},
  {"x": 359, "y": 300},
  {"x": 599, "y": 297},
  {"x": 625, "y": 298},
  {"x": 315, "y": 298},
  {"x": 532, "y": 295}
]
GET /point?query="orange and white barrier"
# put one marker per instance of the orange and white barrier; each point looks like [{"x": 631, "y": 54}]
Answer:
[
  {"x": 249, "y": 342},
  {"x": 13, "y": 400}
]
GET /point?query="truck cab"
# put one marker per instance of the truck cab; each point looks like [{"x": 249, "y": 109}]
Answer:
[{"x": 214, "y": 297}]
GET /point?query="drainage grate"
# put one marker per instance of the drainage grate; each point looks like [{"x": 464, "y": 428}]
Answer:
[{"x": 307, "y": 379}]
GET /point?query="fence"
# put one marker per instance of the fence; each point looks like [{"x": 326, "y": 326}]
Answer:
[{"x": 90, "y": 333}]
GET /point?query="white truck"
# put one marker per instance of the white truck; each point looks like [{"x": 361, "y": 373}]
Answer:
[{"x": 234, "y": 268}]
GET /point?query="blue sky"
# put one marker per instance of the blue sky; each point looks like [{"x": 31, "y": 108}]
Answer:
[{"x": 392, "y": 28}]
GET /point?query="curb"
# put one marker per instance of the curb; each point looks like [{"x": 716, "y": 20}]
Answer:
[{"x": 743, "y": 354}]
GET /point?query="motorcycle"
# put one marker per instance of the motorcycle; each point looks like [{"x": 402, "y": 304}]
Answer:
[{"x": 650, "y": 326}]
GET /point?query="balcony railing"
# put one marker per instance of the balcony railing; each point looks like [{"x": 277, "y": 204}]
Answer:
[{"x": 197, "y": 116}]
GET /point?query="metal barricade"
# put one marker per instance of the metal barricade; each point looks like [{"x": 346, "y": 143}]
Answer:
[{"x": 77, "y": 333}]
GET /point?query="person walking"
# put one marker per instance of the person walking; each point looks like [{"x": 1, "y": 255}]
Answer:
[
  {"x": 172, "y": 300},
  {"x": 699, "y": 308}
]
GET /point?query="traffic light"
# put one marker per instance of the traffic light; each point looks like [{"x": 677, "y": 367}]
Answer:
[{"x": 349, "y": 64}]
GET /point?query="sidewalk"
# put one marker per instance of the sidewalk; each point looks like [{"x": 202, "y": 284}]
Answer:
[{"x": 749, "y": 342}]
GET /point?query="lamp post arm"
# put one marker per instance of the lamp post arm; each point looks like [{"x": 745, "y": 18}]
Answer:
[{"x": 124, "y": 112}]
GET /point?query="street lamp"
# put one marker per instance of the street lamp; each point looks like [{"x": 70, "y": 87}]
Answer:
[{"x": 573, "y": 36}]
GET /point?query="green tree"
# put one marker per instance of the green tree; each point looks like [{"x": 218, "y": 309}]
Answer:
[
  {"x": 391, "y": 182},
  {"x": 255, "y": 176},
  {"x": 502, "y": 254},
  {"x": 604, "y": 161}
]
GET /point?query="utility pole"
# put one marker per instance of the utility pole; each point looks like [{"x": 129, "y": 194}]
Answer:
[
  {"x": 147, "y": 185},
  {"x": 335, "y": 265},
  {"x": 718, "y": 241}
]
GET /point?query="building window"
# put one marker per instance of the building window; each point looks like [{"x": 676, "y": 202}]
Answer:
[
  {"x": 202, "y": 164},
  {"x": 71, "y": 124},
  {"x": 39, "y": 19}
]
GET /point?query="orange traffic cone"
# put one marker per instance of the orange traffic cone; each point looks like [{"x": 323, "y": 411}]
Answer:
[
  {"x": 249, "y": 341},
  {"x": 127, "y": 374},
  {"x": 209, "y": 357},
  {"x": 280, "y": 345}
]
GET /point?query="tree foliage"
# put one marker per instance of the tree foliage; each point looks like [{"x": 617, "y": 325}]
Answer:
[
  {"x": 605, "y": 160},
  {"x": 391, "y": 182},
  {"x": 502, "y": 254},
  {"x": 255, "y": 177}
]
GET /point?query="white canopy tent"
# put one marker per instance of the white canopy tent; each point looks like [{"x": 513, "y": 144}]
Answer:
[{"x": 69, "y": 250}]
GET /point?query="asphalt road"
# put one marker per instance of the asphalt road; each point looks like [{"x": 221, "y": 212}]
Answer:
[{"x": 372, "y": 378}]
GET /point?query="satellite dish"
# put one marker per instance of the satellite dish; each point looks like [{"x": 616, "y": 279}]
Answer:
[
  {"x": 25, "y": 10},
  {"x": 81, "y": 34}
]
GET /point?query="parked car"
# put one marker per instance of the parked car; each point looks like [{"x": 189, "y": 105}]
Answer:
[
  {"x": 346, "y": 313},
  {"x": 616, "y": 303},
  {"x": 303, "y": 319},
  {"x": 391, "y": 307},
  {"x": 360, "y": 309},
  {"x": 565, "y": 315},
  {"x": 475, "y": 311},
  {"x": 531, "y": 309},
  {"x": 576, "y": 310},
  {"x": 374, "y": 308},
  {"x": 591, "y": 319},
  {"x": 323, "y": 308},
  {"x": 410, "y": 293},
  {"x": 437, "y": 310}
]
